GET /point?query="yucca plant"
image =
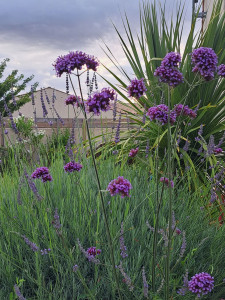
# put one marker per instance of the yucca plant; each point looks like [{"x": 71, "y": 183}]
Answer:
[{"x": 144, "y": 53}]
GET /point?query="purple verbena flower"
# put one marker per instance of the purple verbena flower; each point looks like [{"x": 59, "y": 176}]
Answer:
[
  {"x": 43, "y": 173},
  {"x": 137, "y": 88},
  {"x": 171, "y": 76},
  {"x": 119, "y": 186},
  {"x": 93, "y": 251},
  {"x": 166, "y": 181},
  {"x": 91, "y": 257},
  {"x": 172, "y": 59},
  {"x": 74, "y": 60},
  {"x": 133, "y": 152},
  {"x": 201, "y": 284},
  {"x": 218, "y": 150},
  {"x": 221, "y": 70},
  {"x": 160, "y": 113},
  {"x": 205, "y": 62},
  {"x": 100, "y": 101},
  {"x": 72, "y": 100},
  {"x": 72, "y": 166},
  {"x": 184, "y": 110}
]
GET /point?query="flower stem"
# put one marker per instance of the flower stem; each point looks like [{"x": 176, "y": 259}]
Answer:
[
  {"x": 100, "y": 191},
  {"x": 169, "y": 163}
]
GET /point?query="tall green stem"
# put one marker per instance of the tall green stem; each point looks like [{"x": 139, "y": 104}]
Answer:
[
  {"x": 100, "y": 191},
  {"x": 169, "y": 163}
]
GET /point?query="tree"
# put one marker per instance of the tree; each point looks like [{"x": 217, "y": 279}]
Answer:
[{"x": 10, "y": 87}]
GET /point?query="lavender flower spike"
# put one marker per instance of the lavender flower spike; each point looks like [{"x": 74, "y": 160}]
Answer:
[
  {"x": 183, "y": 246},
  {"x": 33, "y": 246},
  {"x": 126, "y": 277},
  {"x": 18, "y": 293},
  {"x": 117, "y": 137},
  {"x": 56, "y": 222},
  {"x": 123, "y": 248},
  {"x": 145, "y": 284}
]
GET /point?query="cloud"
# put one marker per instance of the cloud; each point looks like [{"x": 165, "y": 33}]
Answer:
[{"x": 34, "y": 33}]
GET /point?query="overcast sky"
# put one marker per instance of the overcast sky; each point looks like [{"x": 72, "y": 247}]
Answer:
[{"x": 33, "y": 33}]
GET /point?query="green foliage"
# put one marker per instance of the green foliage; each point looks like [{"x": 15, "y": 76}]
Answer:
[
  {"x": 14, "y": 82},
  {"x": 157, "y": 37},
  {"x": 77, "y": 199}
]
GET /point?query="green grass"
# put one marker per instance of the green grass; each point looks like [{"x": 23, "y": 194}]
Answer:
[{"x": 76, "y": 197}]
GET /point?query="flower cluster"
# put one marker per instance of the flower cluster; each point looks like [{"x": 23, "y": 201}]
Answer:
[
  {"x": 184, "y": 110},
  {"x": 100, "y": 101},
  {"x": 168, "y": 71},
  {"x": 119, "y": 186},
  {"x": 205, "y": 62},
  {"x": 43, "y": 173},
  {"x": 32, "y": 245},
  {"x": 201, "y": 284},
  {"x": 72, "y": 166},
  {"x": 72, "y": 100},
  {"x": 218, "y": 150},
  {"x": 93, "y": 251},
  {"x": 45, "y": 251},
  {"x": 137, "y": 88},
  {"x": 221, "y": 70},
  {"x": 133, "y": 152},
  {"x": 166, "y": 181},
  {"x": 74, "y": 60},
  {"x": 160, "y": 113}
]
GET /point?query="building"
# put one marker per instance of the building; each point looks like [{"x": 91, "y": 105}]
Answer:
[
  {"x": 207, "y": 6},
  {"x": 60, "y": 115}
]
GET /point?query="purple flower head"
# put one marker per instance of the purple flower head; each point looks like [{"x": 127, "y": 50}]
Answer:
[
  {"x": 184, "y": 110},
  {"x": 40, "y": 172},
  {"x": 100, "y": 101},
  {"x": 46, "y": 178},
  {"x": 166, "y": 181},
  {"x": 178, "y": 231},
  {"x": 92, "y": 251},
  {"x": 172, "y": 59},
  {"x": 201, "y": 284},
  {"x": 75, "y": 268},
  {"x": 133, "y": 152},
  {"x": 218, "y": 150},
  {"x": 171, "y": 76},
  {"x": 137, "y": 88},
  {"x": 119, "y": 186},
  {"x": 73, "y": 166},
  {"x": 160, "y": 113},
  {"x": 221, "y": 70},
  {"x": 90, "y": 257},
  {"x": 205, "y": 62},
  {"x": 72, "y": 100},
  {"x": 74, "y": 60}
]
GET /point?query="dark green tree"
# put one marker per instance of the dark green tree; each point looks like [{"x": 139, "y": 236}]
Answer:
[{"x": 10, "y": 87}]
